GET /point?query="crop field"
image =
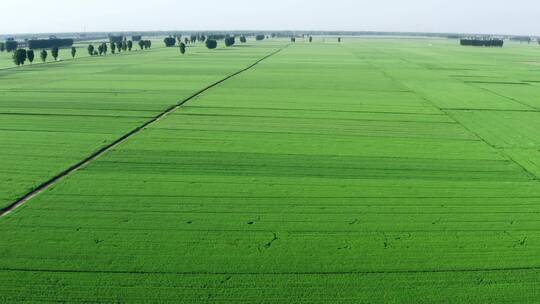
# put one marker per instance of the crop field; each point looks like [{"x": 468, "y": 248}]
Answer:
[
  {"x": 56, "y": 114},
  {"x": 371, "y": 171}
]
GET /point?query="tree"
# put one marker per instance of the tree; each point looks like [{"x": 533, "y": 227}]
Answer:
[
  {"x": 129, "y": 45},
  {"x": 2, "y": 47},
  {"x": 169, "y": 41},
  {"x": 141, "y": 44},
  {"x": 30, "y": 55},
  {"x": 243, "y": 39},
  {"x": 310, "y": 39},
  {"x": 43, "y": 55},
  {"x": 211, "y": 44},
  {"x": 259, "y": 37},
  {"x": 148, "y": 44},
  {"x": 54, "y": 53},
  {"x": 339, "y": 40},
  {"x": 113, "y": 47},
  {"x": 230, "y": 41},
  {"x": 186, "y": 40},
  {"x": 19, "y": 57},
  {"x": 293, "y": 39},
  {"x": 182, "y": 48},
  {"x": 124, "y": 45},
  {"x": 73, "y": 52},
  {"x": 119, "y": 46},
  {"x": 91, "y": 50},
  {"x": 102, "y": 49}
]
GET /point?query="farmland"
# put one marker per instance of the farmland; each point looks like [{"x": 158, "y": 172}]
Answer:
[{"x": 371, "y": 171}]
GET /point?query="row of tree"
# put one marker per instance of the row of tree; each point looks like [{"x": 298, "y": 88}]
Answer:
[
  {"x": 20, "y": 56},
  {"x": 211, "y": 42},
  {"x": 123, "y": 45}
]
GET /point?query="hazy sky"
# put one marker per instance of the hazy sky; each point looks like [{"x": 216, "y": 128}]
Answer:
[{"x": 478, "y": 16}]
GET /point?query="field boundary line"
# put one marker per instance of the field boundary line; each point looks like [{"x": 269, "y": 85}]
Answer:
[{"x": 83, "y": 163}]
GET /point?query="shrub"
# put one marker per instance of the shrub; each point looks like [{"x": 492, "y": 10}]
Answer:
[
  {"x": 293, "y": 39},
  {"x": 259, "y": 37},
  {"x": 211, "y": 44},
  {"x": 243, "y": 39}
]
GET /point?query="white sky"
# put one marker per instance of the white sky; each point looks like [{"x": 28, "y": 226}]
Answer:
[{"x": 466, "y": 16}]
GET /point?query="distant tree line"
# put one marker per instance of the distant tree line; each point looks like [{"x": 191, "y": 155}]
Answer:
[
  {"x": 521, "y": 39},
  {"x": 482, "y": 42},
  {"x": 116, "y": 39},
  {"x": 49, "y": 43},
  {"x": 11, "y": 45}
]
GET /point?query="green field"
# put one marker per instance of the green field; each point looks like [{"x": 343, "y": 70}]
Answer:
[{"x": 372, "y": 171}]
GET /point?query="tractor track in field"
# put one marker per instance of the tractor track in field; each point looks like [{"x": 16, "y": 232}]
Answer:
[
  {"x": 83, "y": 163},
  {"x": 285, "y": 273}
]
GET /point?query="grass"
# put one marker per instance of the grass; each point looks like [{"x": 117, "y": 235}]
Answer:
[{"x": 375, "y": 171}]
